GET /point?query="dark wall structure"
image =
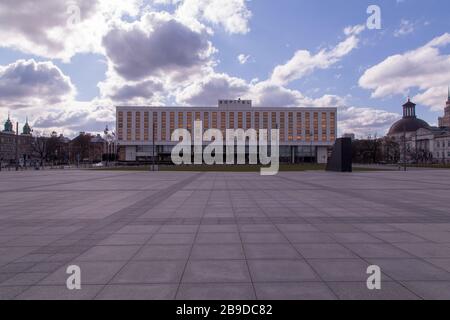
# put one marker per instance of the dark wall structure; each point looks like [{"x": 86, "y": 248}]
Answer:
[{"x": 341, "y": 159}]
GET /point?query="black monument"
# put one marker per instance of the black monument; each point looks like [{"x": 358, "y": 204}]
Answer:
[{"x": 341, "y": 159}]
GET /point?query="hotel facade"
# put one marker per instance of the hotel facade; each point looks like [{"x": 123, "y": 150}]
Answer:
[{"x": 144, "y": 133}]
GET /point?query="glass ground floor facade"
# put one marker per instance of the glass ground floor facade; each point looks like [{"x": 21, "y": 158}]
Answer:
[{"x": 162, "y": 154}]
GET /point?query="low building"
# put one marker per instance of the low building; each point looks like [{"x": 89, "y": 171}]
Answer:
[
  {"x": 404, "y": 131},
  {"x": 144, "y": 133},
  {"x": 87, "y": 148},
  {"x": 418, "y": 141},
  {"x": 9, "y": 139}
]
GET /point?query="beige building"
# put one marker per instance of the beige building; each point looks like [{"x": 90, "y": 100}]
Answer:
[
  {"x": 445, "y": 120},
  {"x": 306, "y": 134},
  {"x": 419, "y": 141}
]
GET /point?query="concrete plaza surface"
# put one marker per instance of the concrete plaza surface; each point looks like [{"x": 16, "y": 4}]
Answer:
[{"x": 309, "y": 235}]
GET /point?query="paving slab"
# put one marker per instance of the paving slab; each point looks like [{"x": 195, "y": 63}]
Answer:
[{"x": 175, "y": 235}]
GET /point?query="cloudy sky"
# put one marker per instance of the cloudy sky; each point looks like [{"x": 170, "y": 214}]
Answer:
[{"x": 66, "y": 64}]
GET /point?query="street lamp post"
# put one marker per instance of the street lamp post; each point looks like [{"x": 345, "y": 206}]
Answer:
[{"x": 17, "y": 146}]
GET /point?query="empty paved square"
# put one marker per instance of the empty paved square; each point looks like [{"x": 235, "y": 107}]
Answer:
[{"x": 306, "y": 235}]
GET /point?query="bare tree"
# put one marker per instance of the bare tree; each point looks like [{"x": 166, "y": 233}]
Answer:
[{"x": 40, "y": 148}]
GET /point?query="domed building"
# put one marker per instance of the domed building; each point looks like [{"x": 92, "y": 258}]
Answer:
[
  {"x": 409, "y": 124},
  {"x": 26, "y": 129},
  {"x": 8, "y": 126}
]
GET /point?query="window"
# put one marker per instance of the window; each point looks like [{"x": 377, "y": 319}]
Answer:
[
  {"x": 324, "y": 126},
  {"x": 163, "y": 126},
  {"x": 206, "y": 121},
  {"x": 119, "y": 125},
  {"x": 308, "y": 126},
  {"x": 332, "y": 126},
  {"x": 172, "y": 123},
  {"x": 274, "y": 120},
  {"x": 155, "y": 126},
  {"x": 291, "y": 126},
  {"x": 282, "y": 126},
  {"x": 214, "y": 120},
  {"x": 189, "y": 121},
  {"x": 316, "y": 126},
  {"x": 265, "y": 120},
  {"x": 240, "y": 120},
  {"x": 138, "y": 127},
  {"x": 223, "y": 122},
  {"x": 146, "y": 126},
  {"x": 129, "y": 124},
  {"x": 232, "y": 120},
  {"x": 180, "y": 120}
]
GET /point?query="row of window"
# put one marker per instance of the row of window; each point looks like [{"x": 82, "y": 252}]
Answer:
[
  {"x": 442, "y": 144},
  {"x": 442, "y": 155},
  {"x": 297, "y": 125}
]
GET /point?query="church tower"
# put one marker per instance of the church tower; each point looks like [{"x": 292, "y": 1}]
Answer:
[
  {"x": 8, "y": 126},
  {"x": 445, "y": 120}
]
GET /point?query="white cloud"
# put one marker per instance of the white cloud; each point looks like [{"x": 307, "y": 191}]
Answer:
[
  {"x": 354, "y": 30},
  {"x": 232, "y": 15},
  {"x": 424, "y": 68},
  {"x": 243, "y": 58},
  {"x": 406, "y": 27},
  {"x": 27, "y": 83},
  {"x": 156, "y": 45},
  {"x": 51, "y": 28},
  {"x": 304, "y": 63}
]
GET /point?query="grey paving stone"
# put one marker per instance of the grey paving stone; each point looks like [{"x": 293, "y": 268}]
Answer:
[
  {"x": 87, "y": 292},
  {"x": 258, "y": 228},
  {"x": 163, "y": 252},
  {"x": 410, "y": 269},
  {"x": 398, "y": 237},
  {"x": 92, "y": 273},
  {"x": 179, "y": 229},
  {"x": 138, "y": 292},
  {"x": 219, "y": 238},
  {"x": 220, "y": 271},
  {"x": 220, "y": 292},
  {"x": 426, "y": 250},
  {"x": 355, "y": 237},
  {"x": 309, "y": 237},
  {"x": 217, "y": 252},
  {"x": 24, "y": 279},
  {"x": 281, "y": 271},
  {"x": 150, "y": 272},
  {"x": 359, "y": 291},
  {"x": 125, "y": 239},
  {"x": 340, "y": 270},
  {"x": 263, "y": 238},
  {"x": 440, "y": 263},
  {"x": 317, "y": 214},
  {"x": 109, "y": 253},
  {"x": 377, "y": 250},
  {"x": 270, "y": 251},
  {"x": 164, "y": 238},
  {"x": 138, "y": 229},
  {"x": 318, "y": 251},
  {"x": 226, "y": 228},
  {"x": 9, "y": 293},
  {"x": 294, "y": 291},
  {"x": 430, "y": 290}
]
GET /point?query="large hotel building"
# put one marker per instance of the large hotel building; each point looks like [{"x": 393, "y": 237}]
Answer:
[{"x": 144, "y": 133}]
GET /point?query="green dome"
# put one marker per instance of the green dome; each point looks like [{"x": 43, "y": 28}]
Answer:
[
  {"x": 26, "y": 129},
  {"x": 8, "y": 125}
]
